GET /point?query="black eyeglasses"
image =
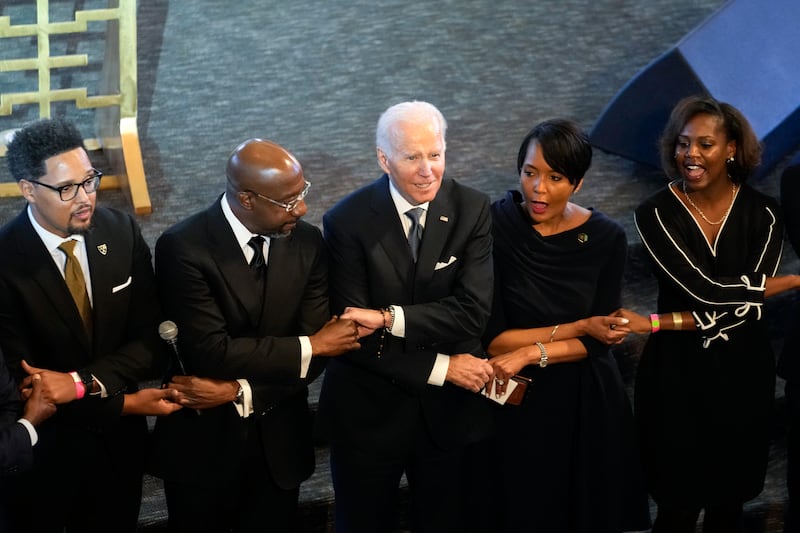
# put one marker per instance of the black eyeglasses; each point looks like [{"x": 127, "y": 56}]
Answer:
[
  {"x": 291, "y": 205},
  {"x": 70, "y": 191}
]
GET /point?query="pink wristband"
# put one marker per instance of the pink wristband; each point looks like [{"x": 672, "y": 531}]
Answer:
[
  {"x": 655, "y": 323},
  {"x": 80, "y": 388}
]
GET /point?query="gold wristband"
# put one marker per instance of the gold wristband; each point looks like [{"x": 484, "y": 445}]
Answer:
[
  {"x": 677, "y": 320},
  {"x": 553, "y": 333}
]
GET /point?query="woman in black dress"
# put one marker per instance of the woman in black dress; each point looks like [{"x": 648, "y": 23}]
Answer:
[
  {"x": 705, "y": 388},
  {"x": 566, "y": 456}
]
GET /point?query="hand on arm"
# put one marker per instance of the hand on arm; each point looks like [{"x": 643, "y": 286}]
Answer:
[
  {"x": 610, "y": 329},
  {"x": 337, "y": 336},
  {"x": 367, "y": 320},
  {"x": 37, "y": 409},
  {"x": 636, "y": 323},
  {"x": 56, "y": 387},
  {"x": 151, "y": 402},
  {"x": 469, "y": 372},
  {"x": 599, "y": 327},
  {"x": 203, "y": 393}
]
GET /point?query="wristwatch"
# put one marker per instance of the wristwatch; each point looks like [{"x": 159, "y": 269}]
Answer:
[
  {"x": 87, "y": 379},
  {"x": 239, "y": 395}
]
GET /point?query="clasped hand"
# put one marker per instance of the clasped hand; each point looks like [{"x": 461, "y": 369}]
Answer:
[{"x": 337, "y": 336}]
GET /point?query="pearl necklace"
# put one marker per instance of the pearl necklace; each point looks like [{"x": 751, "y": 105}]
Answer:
[{"x": 700, "y": 211}]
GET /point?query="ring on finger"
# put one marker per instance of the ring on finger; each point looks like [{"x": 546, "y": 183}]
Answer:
[
  {"x": 613, "y": 326},
  {"x": 500, "y": 382}
]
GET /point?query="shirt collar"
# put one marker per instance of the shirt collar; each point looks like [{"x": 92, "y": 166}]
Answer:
[
  {"x": 401, "y": 204},
  {"x": 242, "y": 234},
  {"x": 51, "y": 240}
]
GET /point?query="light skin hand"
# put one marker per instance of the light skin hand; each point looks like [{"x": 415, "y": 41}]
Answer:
[
  {"x": 151, "y": 402},
  {"x": 636, "y": 322},
  {"x": 57, "y": 387},
  {"x": 469, "y": 372},
  {"x": 505, "y": 366},
  {"x": 203, "y": 393},
  {"x": 37, "y": 409},
  {"x": 368, "y": 320},
  {"x": 337, "y": 336},
  {"x": 599, "y": 327}
]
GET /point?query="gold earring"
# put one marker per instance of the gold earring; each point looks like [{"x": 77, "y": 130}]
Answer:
[{"x": 730, "y": 160}]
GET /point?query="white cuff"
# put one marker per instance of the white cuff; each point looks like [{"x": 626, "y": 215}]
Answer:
[
  {"x": 398, "y": 328},
  {"x": 31, "y": 431},
  {"x": 103, "y": 391},
  {"x": 439, "y": 372},
  {"x": 245, "y": 407},
  {"x": 305, "y": 355}
]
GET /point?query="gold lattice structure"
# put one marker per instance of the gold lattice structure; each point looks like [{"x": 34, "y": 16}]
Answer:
[{"x": 115, "y": 108}]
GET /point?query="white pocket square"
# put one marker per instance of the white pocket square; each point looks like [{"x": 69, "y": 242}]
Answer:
[
  {"x": 120, "y": 287},
  {"x": 450, "y": 261}
]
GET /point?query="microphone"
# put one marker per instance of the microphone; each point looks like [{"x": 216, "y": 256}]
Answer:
[{"x": 168, "y": 331}]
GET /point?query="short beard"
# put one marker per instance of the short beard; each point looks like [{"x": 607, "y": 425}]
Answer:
[
  {"x": 278, "y": 235},
  {"x": 73, "y": 230}
]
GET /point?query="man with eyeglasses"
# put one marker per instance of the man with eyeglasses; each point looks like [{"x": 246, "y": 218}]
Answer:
[
  {"x": 246, "y": 282},
  {"x": 78, "y": 308}
]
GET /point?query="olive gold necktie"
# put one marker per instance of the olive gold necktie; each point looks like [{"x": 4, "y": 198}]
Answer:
[{"x": 73, "y": 275}]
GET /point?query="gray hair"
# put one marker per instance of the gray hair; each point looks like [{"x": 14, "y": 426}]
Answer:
[{"x": 415, "y": 111}]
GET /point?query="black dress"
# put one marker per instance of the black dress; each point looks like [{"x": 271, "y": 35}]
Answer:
[
  {"x": 569, "y": 461},
  {"x": 704, "y": 399}
]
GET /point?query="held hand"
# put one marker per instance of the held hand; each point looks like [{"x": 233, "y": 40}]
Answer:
[
  {"x": 636, "y": 322},
  {"x": 504, "y": 367},
  {"x": 37, "y": 409},
  {"x": 610, "y": 329},
  {"x": 57, "y": 387},
  {"x": 203, "y": 393},
  {"x": 151, "y": 402},
  {"x": 367, "y": 319},
  {"x": 469, "y": 372},
  {"x": 337, "y": 336}
]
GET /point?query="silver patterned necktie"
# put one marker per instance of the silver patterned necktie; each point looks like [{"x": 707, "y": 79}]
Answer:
[{"x": 415, "y": 233}]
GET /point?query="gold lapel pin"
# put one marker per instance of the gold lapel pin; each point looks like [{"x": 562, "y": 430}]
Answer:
[
  {"x": 102, "y": 248},
  {"x": 582, "y": 238},
  {"x": 444, "y": 218}
]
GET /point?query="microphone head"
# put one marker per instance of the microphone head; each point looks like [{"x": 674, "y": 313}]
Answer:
[{"x": 168, "y": 331}]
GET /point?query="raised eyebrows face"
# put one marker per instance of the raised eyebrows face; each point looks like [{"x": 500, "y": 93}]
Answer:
[{"x": 546, "y": 192}]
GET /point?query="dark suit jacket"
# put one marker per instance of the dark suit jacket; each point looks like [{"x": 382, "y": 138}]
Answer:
[
  {"x": 204, "y": 286},
  {"x": 789, "y": 359},
  {"x": 40, "y": 323},
  {"x": 446, "y": 297},
  {"x": 16, "y": 452}
]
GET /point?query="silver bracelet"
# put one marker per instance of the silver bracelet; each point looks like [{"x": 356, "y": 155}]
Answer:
[{"x": 543, "y": 352}]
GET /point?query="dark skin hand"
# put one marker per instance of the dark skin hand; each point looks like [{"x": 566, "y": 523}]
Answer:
[
  {"x": 337, "y": 336},
  {"x": 37, "y": 409},
  {"x": 203, "y": 393},
  {"x": 151, "y": 402}
]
